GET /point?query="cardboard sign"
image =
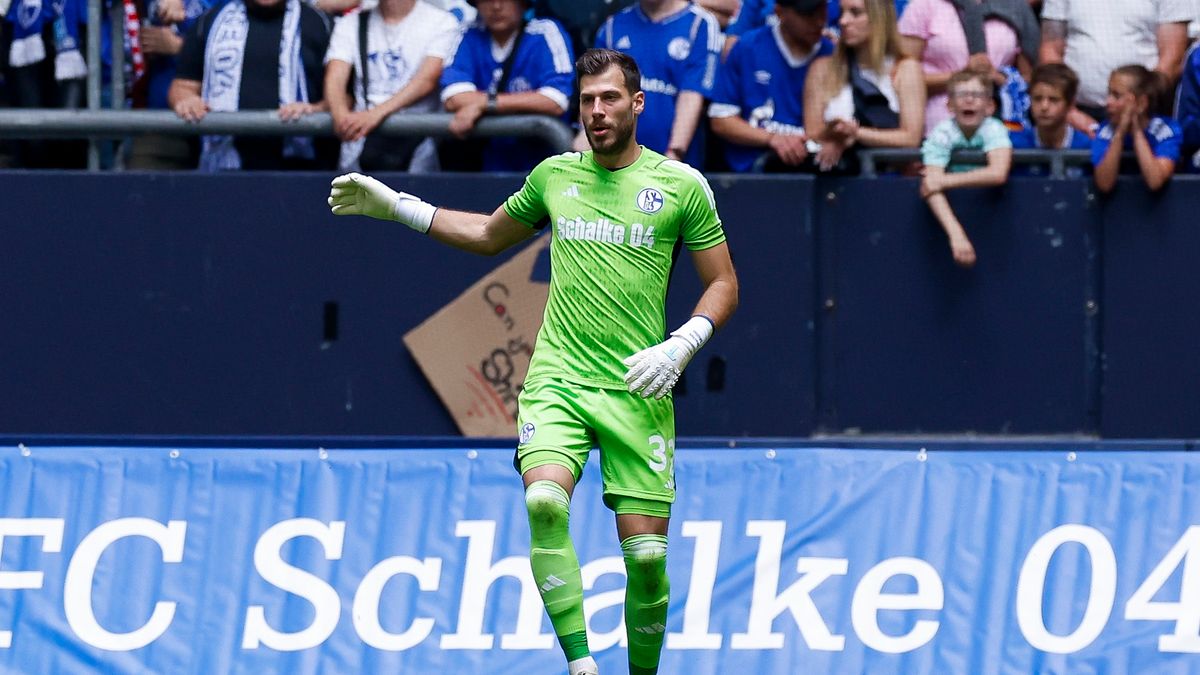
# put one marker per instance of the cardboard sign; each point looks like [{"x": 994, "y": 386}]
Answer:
[{"x": 475, "y": 350}]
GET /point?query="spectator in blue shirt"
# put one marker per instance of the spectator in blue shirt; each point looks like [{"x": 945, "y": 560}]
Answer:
[
  {"x": 538, "y": 78},
  {"x": 1135, "y": 94},
  {"x": 1188, "y": 108},
  {"x": 677, "y": 45},
  {"x": 757, "y": 106},
  {"x": 1052, "y": 91},
  {"x": 758, "y": 13}
]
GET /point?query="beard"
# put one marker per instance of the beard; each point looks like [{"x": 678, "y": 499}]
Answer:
[{"x": 619, "y": 137}]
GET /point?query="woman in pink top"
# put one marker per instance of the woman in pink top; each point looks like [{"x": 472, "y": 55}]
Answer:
[{"x": 932, "y": 32}]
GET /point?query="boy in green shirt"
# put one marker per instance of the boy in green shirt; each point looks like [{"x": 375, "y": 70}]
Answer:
[
  {"x": 600, "y": 374},
  {"x": 971, "y": 128}
]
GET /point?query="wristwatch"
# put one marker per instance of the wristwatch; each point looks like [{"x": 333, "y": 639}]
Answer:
[{"x": 492, "y": 104}]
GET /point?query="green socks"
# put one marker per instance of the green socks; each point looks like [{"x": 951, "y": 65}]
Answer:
[
  {"x": 555, "y": 565},
  {"x": 646, "y": 596},
  {"x": 556, "y": 572}
]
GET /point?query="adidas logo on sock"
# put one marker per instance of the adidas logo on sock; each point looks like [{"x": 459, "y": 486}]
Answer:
[
  {"x": 652, "y": 629},
  {"x": 552, "y": 582}
]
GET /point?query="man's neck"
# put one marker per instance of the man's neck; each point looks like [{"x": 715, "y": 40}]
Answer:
[
  {"x": 658, "y": 9},
  {"x": 394, "y": 11},
  {"x": 627, "y": 156},
  {"x": 798, "y": 49},
  {"x": 1052, "y": 137}
]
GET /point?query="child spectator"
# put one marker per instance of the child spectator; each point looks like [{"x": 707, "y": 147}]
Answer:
[
  {"x": 1052, "y": 92},
  {"x": 971, "y": 127},
  {"x": 1135, "y": 122}
]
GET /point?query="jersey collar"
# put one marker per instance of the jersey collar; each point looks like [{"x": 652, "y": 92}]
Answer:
[
  {"x": 641, "y": 159},
  {"x": 787, "y": 53},
  {"x": 637, "y": 9}
]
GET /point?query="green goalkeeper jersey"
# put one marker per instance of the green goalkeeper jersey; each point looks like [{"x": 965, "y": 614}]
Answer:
[{"x": 616, "y": 234}]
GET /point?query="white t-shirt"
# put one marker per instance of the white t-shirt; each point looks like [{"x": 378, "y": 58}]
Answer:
[
  {"x": 395, "y": 51},
  {"x": 841, "y": 107},
  {"x": 1103, "y": 35}
]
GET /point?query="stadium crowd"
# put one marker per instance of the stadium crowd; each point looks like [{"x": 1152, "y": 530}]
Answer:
[{"x": 731, "y": 85}]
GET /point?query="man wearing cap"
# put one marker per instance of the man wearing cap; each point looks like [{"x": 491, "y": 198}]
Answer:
[
  {"x": 506, "y": 65},
  {"x": 758, "y": 102}
]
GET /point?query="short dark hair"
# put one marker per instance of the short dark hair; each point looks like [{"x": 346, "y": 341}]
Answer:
[
  {"x": 1057, "y": 75},
  {"x": 596, "y": 61},
  {"x": 969, "y": 75}
]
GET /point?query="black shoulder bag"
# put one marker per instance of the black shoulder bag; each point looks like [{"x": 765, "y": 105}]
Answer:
[{"x": 381, "y": 153}]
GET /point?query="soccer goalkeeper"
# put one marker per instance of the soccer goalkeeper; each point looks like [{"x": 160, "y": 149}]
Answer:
[{"x": 601, "y": 373}]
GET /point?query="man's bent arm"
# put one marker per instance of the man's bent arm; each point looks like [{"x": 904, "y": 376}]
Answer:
[{"x": 720, "y": 297}]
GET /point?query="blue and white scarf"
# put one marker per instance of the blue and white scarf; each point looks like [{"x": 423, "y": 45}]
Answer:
[
  {"x": 28, "y": 17},
  {"x": 224, "y": 55},
  {"x": 68, "y": 61}
]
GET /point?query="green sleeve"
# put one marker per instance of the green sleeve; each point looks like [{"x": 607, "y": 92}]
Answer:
[
  {"x": 701, "y": 226},
  {"x": 528, "y": 205}
]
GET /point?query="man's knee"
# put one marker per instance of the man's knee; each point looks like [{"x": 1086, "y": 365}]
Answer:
[
  {"x": 548, "y": 505},
  {"x": 646, "y": 562}
]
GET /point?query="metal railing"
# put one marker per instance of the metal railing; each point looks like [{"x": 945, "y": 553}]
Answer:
[
  {"x": 1057, "y": 160},
  {"x": 55, "y": 123}
]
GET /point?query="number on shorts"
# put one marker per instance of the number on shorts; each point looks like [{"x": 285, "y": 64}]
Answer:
[{"x": 661, "y": 462}]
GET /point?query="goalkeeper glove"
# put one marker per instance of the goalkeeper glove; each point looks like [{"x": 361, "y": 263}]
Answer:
[
  {"x": 655, "y": 370},
  {"x": 355, "y": 194}
]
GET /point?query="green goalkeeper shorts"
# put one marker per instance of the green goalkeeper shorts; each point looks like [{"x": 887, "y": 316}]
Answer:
[{"x": 560, "y": 422}]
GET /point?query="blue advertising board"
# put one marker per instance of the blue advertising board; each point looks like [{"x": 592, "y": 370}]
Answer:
[{"x": 782, "y": 560}]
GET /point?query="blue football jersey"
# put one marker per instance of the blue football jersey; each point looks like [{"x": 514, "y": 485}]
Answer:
[
  {"x": 764, "y": 84},
  {"x": 544, "y": 63},
  {"x": 677, "y": 53},
  {"x": 1164, "y": 134},
  {"x": 1027, "y": 139},
  {"x": 757, "y": 13}
]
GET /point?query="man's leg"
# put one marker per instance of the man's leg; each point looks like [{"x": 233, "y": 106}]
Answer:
[
  {"x": 647, "y": 592},
  {"x": 555, "y": 565}
]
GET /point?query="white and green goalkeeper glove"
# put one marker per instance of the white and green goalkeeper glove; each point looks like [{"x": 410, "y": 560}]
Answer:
[
  {"x": 355, "y": 194},
  {"x": 655, "y": 370}
]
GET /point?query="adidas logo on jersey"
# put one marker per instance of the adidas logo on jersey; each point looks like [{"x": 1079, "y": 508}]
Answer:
[
  {"x": 624, "y": 43},
  {"x": 572, "y": 191}
]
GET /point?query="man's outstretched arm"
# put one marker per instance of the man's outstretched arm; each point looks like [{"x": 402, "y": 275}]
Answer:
[{"x": 355, "y": 194}]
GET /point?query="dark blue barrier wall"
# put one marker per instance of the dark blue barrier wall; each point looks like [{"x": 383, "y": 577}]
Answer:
[
  {"x": 912, "y": 342},
  {"x": 1151, "y": 311},
  {"x": 186, "y": 304}
]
